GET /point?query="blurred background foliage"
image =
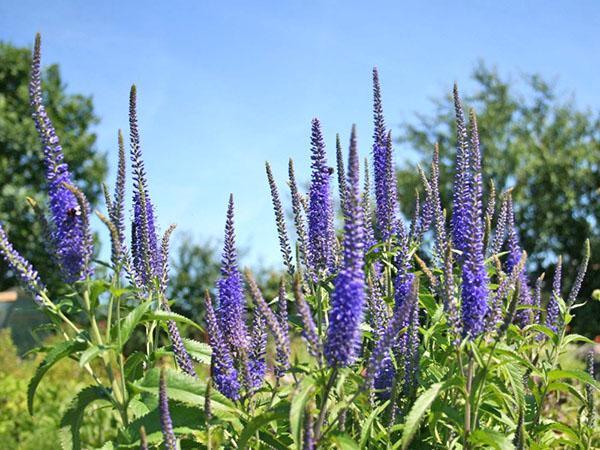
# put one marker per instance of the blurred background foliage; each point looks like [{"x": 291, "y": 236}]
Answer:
[{"x": 536, "y": 140}]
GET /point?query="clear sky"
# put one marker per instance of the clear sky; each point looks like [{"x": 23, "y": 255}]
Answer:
[{"x": 224, "y": 86}]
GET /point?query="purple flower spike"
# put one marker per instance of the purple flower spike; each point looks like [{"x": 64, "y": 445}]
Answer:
[
  {"x": 348, "y": 298},
  {"x": 321, "y": 234},
  {"x": 552, "y": 309},
  {"x": 231, "y": 308},
  {"x": 283, "y": 351},
  {"x": 166, "y": 423},
  {"x": 147, "y": 259},
  {"x": 284, "y": 242},
  {"x": 299, "y": 220},
  {"x": 274, "y": 323},
  {"x": 117, "y": 212},
  {"x": 309, "y": 330},
  {"x": 378, "y": 361},
  {"x": 475, "y": 280},
  {"x": 182, "y": 357},
  {"x": 69, "y": 228},
  {"x": 522, "y": 316},
  {"x": 223, "y": 372},
  {"x": 22, "y": 267},
  {"x": 258, "y": 347},
  {"x": 461, "y": 206},
  {"x": 383, "y": 167},
  {"x": 341, "y": 173}
]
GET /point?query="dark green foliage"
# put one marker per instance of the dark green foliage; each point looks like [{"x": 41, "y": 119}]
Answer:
[
  {"x": 544, "y": 146},
  {"x": 21, "y": 154}
]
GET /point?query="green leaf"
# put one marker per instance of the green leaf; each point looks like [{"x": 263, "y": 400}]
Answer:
[
  {"x": 279, "y": 413},
  {"x": 200, "y": 351},
  {"x": 90, "y": 354},
  {"x": 170, "y": 315},
  {"x": 123, "y": 330},
  {"x": 184, "y": 418},
  {"x": 420, "y": 407},
  {"x": 580, "y": 375},
  {"x": 343, "y": 441},
  {"x": 57, "y": 353},
  {"x": 186, "y": 389},
  {"x": 71, "y": 420},
  {"x": 366, "y": 426},
  {"x": 491, "y": 439},
  {"x": 299, "y": 400}
]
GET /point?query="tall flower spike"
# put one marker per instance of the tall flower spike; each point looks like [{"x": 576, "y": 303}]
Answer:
[
  {"x": 269, "y": 316},
  {"x": 348, "y": 297},
  {"x": 68, "y": 232},
  {"x": 369, "y": 240},
  {"x": 438, "y": 213},
  {"x": 380, "y": 163},
  {"x": 391, "y": 186},
  {"x": 182, "y": 357},
  {"x": 284, "y": 242},
  {"x": 117, "y": 212},
  {"x": 231, "y": 310},
  {"x": 321, "y": 234},
  {"x": 474, "y": 275},
  {"x": 145, "y": 248},
  {"x": 299, "y": 219},
  {"x": 580, "y": 274},
  {"x": 282, "y": 357},
  {"x": 461, "y": 207},
  {"x": 522, "y": 316},
  {"x": 552, "y": 309},
  {"x": 589, "y": 390},
  {"x": 22, "y": 268},
  {"x": 390, "y": 337},
  {"x": 341, "y": 173},
  {"x": 506, "y": 284},
  {"x": 537, "y": 298},
  {"x": 309, "y": 329},
  {"x": 164, "y": 250},
  {"x": 258, "y": 347},
  {"x": 500, "y": 230},
  {"x": 166, "y": 423},
  {"x": 223, "y": 371}
]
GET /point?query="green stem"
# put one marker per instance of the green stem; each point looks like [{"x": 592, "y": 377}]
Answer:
[
  {"x": 323, "y": 408},
  {"x": 469, "y": 386}
]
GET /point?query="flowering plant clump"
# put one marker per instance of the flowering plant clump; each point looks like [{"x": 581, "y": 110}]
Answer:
[{"x": 386, "y": 335}]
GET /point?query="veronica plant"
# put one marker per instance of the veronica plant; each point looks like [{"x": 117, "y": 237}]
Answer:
[{"x": 398, "y": 343}]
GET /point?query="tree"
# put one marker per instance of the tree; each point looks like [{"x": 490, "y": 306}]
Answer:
[
  {"x": 21, "y": 154},
  {"x": 543, "y": 146}
]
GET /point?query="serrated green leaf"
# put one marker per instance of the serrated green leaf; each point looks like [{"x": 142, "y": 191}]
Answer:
[
  {"x": 580, "y": 375},
  {"x": 184, "y": 418},
  {"x": 186, "y": 389},
  {"x": 279, "y": 413},
  {"x": 73, "y": 416},
  {"x": 491, "y": 439},
  {"x": 343, "y": 441},
  {"x": 200, "y": 351},
  {"x": 122, "y": 331},
  {"x": 170, "y": 315},
  {"x": 90, "y": 354},
  {"x": 57, "y": 353},
  {"x": 365, "y": 431},
  {"x": 418, "y": 410}
]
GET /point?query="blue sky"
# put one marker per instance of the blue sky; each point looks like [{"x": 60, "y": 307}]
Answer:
[{"x": 224, "y": 86}]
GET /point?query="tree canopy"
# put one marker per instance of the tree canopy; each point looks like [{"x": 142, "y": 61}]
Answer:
[
  {"x": 538, "y": 142},
  {"x": 21, "y": 154}
]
